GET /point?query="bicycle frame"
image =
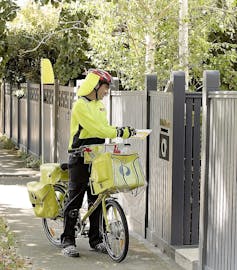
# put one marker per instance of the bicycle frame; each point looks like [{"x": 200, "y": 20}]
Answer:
[
  {"x": 101, "y": 199},
  {"x": 113, "y": 224}
]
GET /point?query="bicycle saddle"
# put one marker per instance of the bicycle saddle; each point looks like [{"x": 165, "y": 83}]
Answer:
[{"x": 64, "y": 166}]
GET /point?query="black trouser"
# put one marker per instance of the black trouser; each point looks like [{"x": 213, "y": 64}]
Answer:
[{"x": 78, "y": 185}]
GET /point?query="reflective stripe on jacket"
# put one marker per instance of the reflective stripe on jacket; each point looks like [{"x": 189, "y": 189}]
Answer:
[{"x": 89, "y": 124}]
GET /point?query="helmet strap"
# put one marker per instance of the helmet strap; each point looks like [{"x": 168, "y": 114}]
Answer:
[
  {"x": 96, "y": 94},
  {"x": 97, "y": 87}
]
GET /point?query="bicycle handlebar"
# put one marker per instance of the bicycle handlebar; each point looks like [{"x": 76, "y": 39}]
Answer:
[
  {"x": 83, "y": 148},
  {"x": 77, "y": 150}
]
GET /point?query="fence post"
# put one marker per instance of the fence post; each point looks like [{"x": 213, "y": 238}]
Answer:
[
  {"x": 178, "y": 80},
  {"x": 10, "y": 116},
  {"x": 55, "y": 121},
  {"x": 151, "y": 82},
  {"x": 1, "y": 103},
  {"x": 18, "y": 123},
  {"x": 28, "y": 116},
  {"x": 150, "y": 85},
  {"x": 211, "y": 82},
  {"x": 3, "y": 106},
  {"x": 40, "y": 122}
]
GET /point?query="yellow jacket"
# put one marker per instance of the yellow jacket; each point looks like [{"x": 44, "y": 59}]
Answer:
[{"x": 89, "y": 124}]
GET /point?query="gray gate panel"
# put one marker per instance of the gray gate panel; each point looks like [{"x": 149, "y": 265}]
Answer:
[
  {"x": 126, "y": 105},
  {"x": 160, "y": 185},
  {"x": 129, "y": 109},
  {"x": 48, "y": 128},
  {"x": 48, "y": 132},
  {"x": 34, "y": 118},
  {"x": 15, "y": 119},
  {"x": 63, "y": 134},
  {"x": 2, "y": 106},
  {"x": 7, "y": 111},
  {"x": 192, "y": 164},
  {"x": 66, "y": 98},
  {"x": 218, "y": 233},
  {"x": 196, "y": 172},
  {"x": 222, "y": 185},
  {"x": 188, "y": 170},
  {"x": 23, "y": 122},
  {"x": 222, "y": 181}
]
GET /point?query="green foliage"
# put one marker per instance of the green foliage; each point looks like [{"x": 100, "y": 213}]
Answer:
[
  {"x": 212, "y": 41},
  {"x": 8, "y": 11},
  {"x": 29, "y": 160},
  {"x": 6, "y": 143},
  {"x": 133, "y": 38},
  {"x": 127, "y": 38},
  {"x": 119, "y": 44},
  {"x": 55, "y": 3},
  {"x": 223, "y": 40},
  {"x": 47, "y": 32},
  {"x": 32, "y": 162},
  {"x": 72, "y": 44},
  {"x": 29, "y": 40}
]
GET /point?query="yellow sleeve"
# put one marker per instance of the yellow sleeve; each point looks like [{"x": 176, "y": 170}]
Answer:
[{"x": 93, "y": 126}]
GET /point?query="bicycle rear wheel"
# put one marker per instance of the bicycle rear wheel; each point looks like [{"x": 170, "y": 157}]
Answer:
[
  {"x": 53, "y": 227},
  {"x": 116, "y": 237}
]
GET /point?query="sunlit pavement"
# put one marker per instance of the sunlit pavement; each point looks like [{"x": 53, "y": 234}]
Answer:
[
  {"x": 12, "y": 165},
  {"x": 33, "y": 244},
  {"x": 15, "y": 196}
]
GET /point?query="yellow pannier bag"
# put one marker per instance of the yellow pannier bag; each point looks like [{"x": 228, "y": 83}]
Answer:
[
  {"x": 51, "y": 173},
  {"x": 116, "y": 173},
  {"x": 43, "y": 199}
]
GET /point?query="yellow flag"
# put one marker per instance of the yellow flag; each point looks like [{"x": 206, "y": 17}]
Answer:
[{"x": 47, "y": 74}]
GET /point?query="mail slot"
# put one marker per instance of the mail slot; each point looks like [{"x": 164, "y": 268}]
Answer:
[{"x": 164, "y": 139}]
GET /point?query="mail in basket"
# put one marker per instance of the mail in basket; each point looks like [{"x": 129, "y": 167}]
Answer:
[{"x": 116, "y": 173}]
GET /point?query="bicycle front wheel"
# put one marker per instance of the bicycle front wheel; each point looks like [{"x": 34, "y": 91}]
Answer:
[
  {"x": 115, "y": 236},
  {"x": 53, "y": 227}
]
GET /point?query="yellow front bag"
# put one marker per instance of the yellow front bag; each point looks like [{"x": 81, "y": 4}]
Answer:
[
  {"x": 116, "y": 173},
  {"x": 43, "y": 199}
]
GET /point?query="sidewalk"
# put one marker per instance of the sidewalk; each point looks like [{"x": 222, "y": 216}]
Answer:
[
  {"x": 32, "y": 243},
  {"x": 12, "y": 166}
]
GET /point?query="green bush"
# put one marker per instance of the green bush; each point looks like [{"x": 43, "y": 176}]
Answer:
[
  {"x": 30, "y": 161},
  {"x": 6, "y": 143}
]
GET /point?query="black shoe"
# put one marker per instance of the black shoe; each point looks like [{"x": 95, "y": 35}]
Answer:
[
  {"x": 70, "y": 251},
  {"x": 100, "y": 248}
]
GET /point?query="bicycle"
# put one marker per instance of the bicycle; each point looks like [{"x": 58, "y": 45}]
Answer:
[{"x": 113, "y": 223}]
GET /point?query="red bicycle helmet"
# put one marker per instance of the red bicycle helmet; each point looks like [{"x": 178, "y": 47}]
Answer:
[{"x": 105, "y": 77}]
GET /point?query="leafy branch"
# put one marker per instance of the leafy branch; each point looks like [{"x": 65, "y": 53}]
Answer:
[{"x": 49, "y": 36}]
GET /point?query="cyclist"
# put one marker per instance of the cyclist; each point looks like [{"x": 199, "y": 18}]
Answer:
[{"x": 88, "y": 126}]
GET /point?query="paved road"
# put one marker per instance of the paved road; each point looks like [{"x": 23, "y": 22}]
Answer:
[{"x": 32, "y": 243}]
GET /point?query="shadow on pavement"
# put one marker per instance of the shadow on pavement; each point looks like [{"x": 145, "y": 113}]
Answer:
[{"x": 32, "y": 242}]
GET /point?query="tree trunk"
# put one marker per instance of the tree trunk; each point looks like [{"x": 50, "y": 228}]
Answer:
[
  {"x": 150, "y": 54},
  {"x": 183, "y": 37}
]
